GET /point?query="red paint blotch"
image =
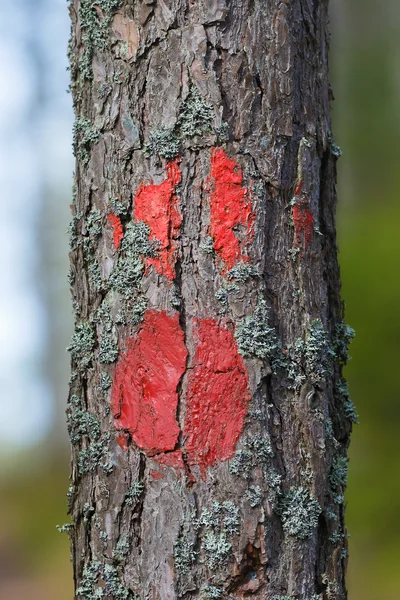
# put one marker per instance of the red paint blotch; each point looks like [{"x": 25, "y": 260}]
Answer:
[
  {"x": 156, "y": 474},
  {"x": 158, "y": 207},
  {"x": 171, "y": 459},
  {"x": 230, "y": 207},
  {"x": 217, "y": 397},
  {"x": 303, "y": 221},
  {"x": 118, "y": 231},
  {"x": 123, "y": 441},
  {"x": 144, "y": 394}
]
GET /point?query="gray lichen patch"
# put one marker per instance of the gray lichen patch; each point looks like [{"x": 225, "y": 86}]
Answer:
[
  {"x": 211, "y": 592},
  {"x": 311, "y": 358},
  {"x": 344, "y": 334},
  {"x": 100, "y": 580},
  {"x": 82, "y": 423},
  {"x": 207, "y": 245},
  {"x": 95, "y": 19},
  {"x": 299, "y": 512},
  {"x": 196, "y": 115},
  {"x": 218, "y": 523},
  {"x": 134, "y": 493},
  {"x": 96, "y": 455},
  {"x": 137, "y": 310},
  {"x": 254, "y": 495},
  {"x": 222, "y": 295},
  {"x": 72, "y": 230},
  {"x": 342, "y": 394},
  {"x": 117, "y": 207},
  {"x": 108, "y": 346},
  {"x": 105, "y": 381},
  {"x": 257, "y": 451},
  {"x": 85, "y": 135},
  {"x": 258, "y": 190},
  {"x": 128, "y": 271},
  {"x": 216, "y": 548},
  {"x": 82, "y": 344},
  {"x": 318, "y": 351},
  {"x": 162, "y": 142},
  {"x": 242, "y": 272},
  {"x": 257, "y": 339},
  {"x": 274, "y": 481},
  {"x": 94, "y": 272},
  {"x": 338, "y": 474},
  {"x": 184, "y": 554},
  {"x": 121, "y": 549},
  {"x": 93, "y": 223}
]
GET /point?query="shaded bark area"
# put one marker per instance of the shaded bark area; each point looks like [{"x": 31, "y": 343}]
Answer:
[{"x": 208, "y": 415}]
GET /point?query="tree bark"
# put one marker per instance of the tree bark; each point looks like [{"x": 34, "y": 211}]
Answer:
[{"x": 208, "y": 415}]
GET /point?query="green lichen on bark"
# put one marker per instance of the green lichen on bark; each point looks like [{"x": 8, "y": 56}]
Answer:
[
  {"x": 85, "y": 134},
  {"x": 95, "y": 19},
  {"x": 299, "y": 512},
  {"x": 162, "y": 142},
  {"x": 348, "y": 406},
  {"x": 257, "y": 451},
  {"x": 129, "y": 268},
  {"x": 96, "y": 455},
  {"x": 184, "y": 554},
  {"x": 100, "y": 580},
  {"x": 134, "y": 493},
  {"x": 255, "y": 337},
  {"x": 254, "y": 495},
  {"x": 343, "y": 336},
  {"x": 82, "y": 423},
  {"x": 218, "y": 524},
  {"x": 108, "y": 346},
  {"x": 196, "y": 115},
  {"x": 241, "y": 272},
  {"x": 82, "y": 344},
  {"x": 211, "y": 592}
]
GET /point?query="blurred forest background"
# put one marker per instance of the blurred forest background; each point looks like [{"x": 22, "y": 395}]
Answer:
[{"x": 36, "y": 319}]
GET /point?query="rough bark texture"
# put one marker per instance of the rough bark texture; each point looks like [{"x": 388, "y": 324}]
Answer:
[{"x": 208, "y": 416}]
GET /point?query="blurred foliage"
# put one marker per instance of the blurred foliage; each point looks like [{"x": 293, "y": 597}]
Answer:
[
  {"x": 365, "y": 58},
  {"x": 34, "y": 556}
]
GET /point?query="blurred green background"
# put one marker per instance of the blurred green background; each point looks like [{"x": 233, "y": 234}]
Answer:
[{"x": 365, "y": 74}]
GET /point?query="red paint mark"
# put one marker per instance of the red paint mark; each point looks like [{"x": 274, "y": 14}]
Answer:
[
  {"x": 217, "y": 397},
  {"x": 230, "y": 207},
  {"x": 118, "y": 231},
  {"x": 303, "y": 221},
  {"x": 298, "y": 188},
  {"x": 156, "y": 474},
  {"x": 144, "y": 394},
  {"x": 171, "y": 459},
  {"x": 123, "y": 441},
  {"x": 157, "y": 206}
]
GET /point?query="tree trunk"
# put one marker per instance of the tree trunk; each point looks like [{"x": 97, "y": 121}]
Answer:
[{"x": 208, "y": 415}]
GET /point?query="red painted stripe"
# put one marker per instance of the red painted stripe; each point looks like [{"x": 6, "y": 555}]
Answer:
[
  {"x": 118, "y": 231},
  {"x": 230, "y": 208},
  {"x": 158, "y": 207}
]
